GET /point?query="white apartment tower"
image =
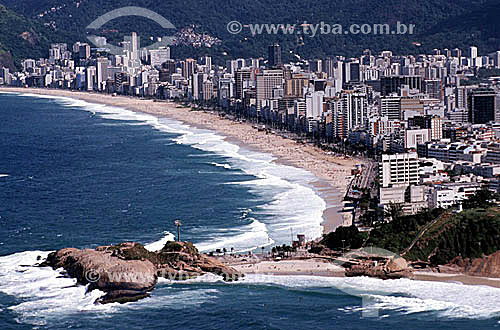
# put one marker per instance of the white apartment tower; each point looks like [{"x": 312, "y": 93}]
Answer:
[
  {"x": 266, "y": 82},
  {"x": 399, "y": 169}
]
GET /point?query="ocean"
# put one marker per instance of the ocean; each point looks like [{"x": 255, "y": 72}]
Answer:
[{"x": 75, "y": 174}]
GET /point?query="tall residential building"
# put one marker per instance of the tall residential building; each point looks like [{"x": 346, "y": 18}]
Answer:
[
  {"x": 134, "y": 44},
  {"x": 102, "y": 72},
  {"x": 456, "y": 52},
  {"x": 329, "y": 67},
  {"x": 473, "y": 53},
  {"x": 316, "y": 66},
  {"x": 274, "y": 56},
  {"x": 5, "y": 75},
  {"x": 188, "y": 67},
  {"x": 84, "y": 51},
  {"x": 159, "y": 56},
  {"x": 399, "y": 169},
  {"x": 354, "y": 107},
  {"x": 91, "y": 78},
  {"x": 242, "y": 78},
  {"x": 390, "y": 107},
  {"x": 294, "y": 87},
  {"x": 314, "y": 105},
  {"x": 432, "y": 123},
  {"x": 434, "y": 88},
  {"x": 208, "y": 90},
  {"x": 481, "y": 106},
  {"x": 266, "y": 82}
]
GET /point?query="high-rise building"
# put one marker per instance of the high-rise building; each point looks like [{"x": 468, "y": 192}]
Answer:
[
  {"x": 497, "y": 59},
  {"x": 393, "y": 84},
  {"x": 456, "y": 52},
  {"x": 294, "y": 87},
  {"x": 481, "y": 106},
  {"x": 352, "y": 72},
  {"x": 91, "y": 78},
  {"x": 84, "y": 51},
  {"x": 434, "y": 88},
  {"x": 433, "y": 123},
  {"x": 134, "y": 47},
  {"x": 274, "y": 56},
  {"x": 208, "y": 90},
  {"x": 188, "y": 67},
  {"x": 5, "y": 75},
  {"x": 102, "y": 72},
  {"x": 329, "y": 67},
  {"x": 242, "y": 78},
  {"x": 390, "y": 107},
  {"x": 354, "y": 107},
  {"x": 316, "y": 66},
  {"x": 266, "y": 82},
  {"x": 159, "y": 56},
  {"x": 314, "y": 105},
  {"x": 472, "y": 52},
  {"x": 399, "y": 169}
]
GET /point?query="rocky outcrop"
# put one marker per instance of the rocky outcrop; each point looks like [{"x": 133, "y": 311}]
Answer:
[
  {"x": 127, "y": 272},
  {"x": 392, "y": 268},
  {"x": 488, "y": 266}
]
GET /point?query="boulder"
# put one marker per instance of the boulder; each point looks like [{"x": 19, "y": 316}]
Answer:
[
  {"x": 392, "y": 268},
  {"x": 127, "y": 271},
  {"x": 487, "y": 266}
]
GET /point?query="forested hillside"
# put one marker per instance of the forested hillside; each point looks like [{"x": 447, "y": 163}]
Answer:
[{"x": 439, "y": 24}]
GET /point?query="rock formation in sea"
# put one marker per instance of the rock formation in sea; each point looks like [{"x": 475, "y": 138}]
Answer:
[{"x": 127, "y": 272}]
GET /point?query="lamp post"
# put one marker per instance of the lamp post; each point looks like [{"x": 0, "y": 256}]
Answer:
[
  {"x": 343, "y": 246},
  {"x": 178, "y": 224}
]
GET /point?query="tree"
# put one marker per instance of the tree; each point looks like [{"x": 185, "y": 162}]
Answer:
[
  {"x": 344, "y": 237},
  {"x": 482, "y": 199}
]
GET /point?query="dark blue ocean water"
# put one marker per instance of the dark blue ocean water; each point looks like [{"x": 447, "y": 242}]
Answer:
[{"x": 80, "y": 175}]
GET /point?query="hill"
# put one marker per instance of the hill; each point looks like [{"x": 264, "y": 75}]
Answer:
[
  {"x": 437, "y": 237},
  {"x": 20, "y": 38},
  {"x": 439, "y": 24}
]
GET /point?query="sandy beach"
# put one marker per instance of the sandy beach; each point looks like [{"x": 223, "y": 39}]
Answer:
[
  {"x": 332, "y": 172},
  {"x": 321, "y": 267},
  {"x": 315, "y": 267}
]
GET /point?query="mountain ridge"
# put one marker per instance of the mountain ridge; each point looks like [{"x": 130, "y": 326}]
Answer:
[{"x": 438, "y": 24}]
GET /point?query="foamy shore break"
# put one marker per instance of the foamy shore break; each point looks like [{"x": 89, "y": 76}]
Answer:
[{"x": 332, "y": 172}]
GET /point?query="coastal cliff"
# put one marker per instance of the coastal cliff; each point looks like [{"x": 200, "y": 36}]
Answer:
[
  {"x": 487, "y": 266},
  {"x": 128, "y": 272}
]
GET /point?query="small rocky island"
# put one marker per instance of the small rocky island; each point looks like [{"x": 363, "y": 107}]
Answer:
[{"x": 128, "y": 271}]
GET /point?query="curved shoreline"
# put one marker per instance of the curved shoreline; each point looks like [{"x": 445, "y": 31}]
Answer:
[{"x": 332, "y": 172}]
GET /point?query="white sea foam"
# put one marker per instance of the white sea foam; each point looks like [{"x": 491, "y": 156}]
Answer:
[
  {"x": 158, "y": 245},
  {"x": 45, "y": 293},
  {"x": 256, "y": 233},
  {"x": 3, "y": 175},
  {"x": 295, "y": 207},
  {"x": 450, "y": 300},
  {"x": 226, "y": 166}
]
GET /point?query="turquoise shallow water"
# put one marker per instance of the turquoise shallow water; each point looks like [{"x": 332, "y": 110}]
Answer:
[{"x": 76, "y": 174}]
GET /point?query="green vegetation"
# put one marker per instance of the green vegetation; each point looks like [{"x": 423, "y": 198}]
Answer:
[
  {"x": 470, "y": 234},
  {"x": 398, "y": 234},
  {"x": 344, "y": 238},
  {"x": 435, "y": 236},
  {"x": 439, "y": 24},
  {"x": 20, "y": 38}
]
